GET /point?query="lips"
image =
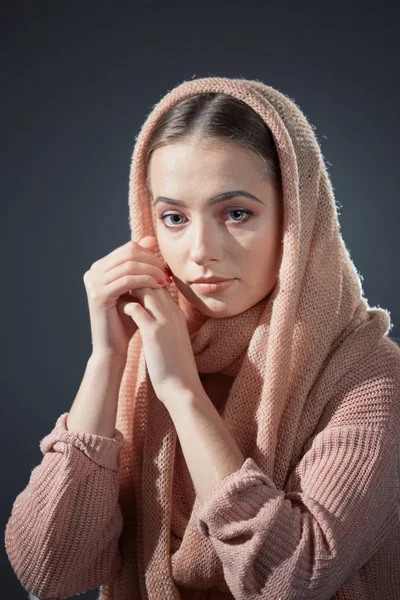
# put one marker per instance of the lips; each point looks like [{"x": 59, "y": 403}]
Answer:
[
  {"x": 212, "y": 280},
  {"x": 214, "y": 287}
]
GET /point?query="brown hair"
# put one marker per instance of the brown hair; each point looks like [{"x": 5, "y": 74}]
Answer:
[{"x": 218, "y": 117}]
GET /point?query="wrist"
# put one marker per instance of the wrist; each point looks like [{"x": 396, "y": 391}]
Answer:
[
  {"x": 177, "y": 398},
  {"x": 103, "y": 356}
]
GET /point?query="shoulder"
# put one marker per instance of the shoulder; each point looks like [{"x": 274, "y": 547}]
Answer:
[{"x": 369, "y": 393}]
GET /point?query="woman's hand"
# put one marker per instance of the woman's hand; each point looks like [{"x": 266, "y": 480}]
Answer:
[
  {"x": 166, "y": 343},
  {"x": 108, "y": 282}
]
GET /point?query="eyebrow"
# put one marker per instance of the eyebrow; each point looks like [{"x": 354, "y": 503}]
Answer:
[{"x": 219, "y": 198}]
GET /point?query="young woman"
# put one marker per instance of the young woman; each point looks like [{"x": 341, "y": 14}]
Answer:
[{"x": 235, "y": 439}]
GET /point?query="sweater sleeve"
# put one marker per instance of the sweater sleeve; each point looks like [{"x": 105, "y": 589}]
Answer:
[
  {"x": 62, "y": 535},
  {"x": 338, "y": 504},
  {"x": 305, "y": 541}
]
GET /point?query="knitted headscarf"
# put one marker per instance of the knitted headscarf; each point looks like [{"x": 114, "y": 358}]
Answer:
[{"x": 286, "y": 354}]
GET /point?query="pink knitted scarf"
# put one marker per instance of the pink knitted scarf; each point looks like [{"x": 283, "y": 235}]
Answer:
[{"x": 286, "y": 354}]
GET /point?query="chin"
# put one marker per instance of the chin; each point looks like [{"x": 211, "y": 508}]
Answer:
[{"x": 216, "y": 309}]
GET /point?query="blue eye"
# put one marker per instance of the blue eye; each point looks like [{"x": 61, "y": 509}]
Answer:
[{"x": 236, "y": 210}]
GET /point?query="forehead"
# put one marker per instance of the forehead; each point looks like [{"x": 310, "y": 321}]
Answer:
[{"x": 192, "y": 163}]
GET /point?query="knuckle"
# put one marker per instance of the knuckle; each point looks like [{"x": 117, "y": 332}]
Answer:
[
  {"x": 132, "y": 252},
  {"x": 91, "y": 288},
  {"x": 87, "y": 278},
  {"x": 156, "y": 330},
  {"x": 93, "y": 292}
]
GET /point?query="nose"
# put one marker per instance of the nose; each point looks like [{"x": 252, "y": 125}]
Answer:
[{"x": 205, "y": 241}]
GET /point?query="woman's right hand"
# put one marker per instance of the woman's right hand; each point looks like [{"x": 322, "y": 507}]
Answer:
[{"x": 108, "y": 281}]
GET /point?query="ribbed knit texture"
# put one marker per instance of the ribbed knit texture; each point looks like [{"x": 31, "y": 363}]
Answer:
[{"x": 313, "y": 406}]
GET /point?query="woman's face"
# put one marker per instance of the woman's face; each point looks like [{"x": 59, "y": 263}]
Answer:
[{"x": 238, "y": 238}]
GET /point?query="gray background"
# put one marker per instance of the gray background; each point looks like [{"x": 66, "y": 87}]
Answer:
[{"x": 78, "y": 80}]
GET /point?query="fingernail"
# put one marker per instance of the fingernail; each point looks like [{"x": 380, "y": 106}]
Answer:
[{"x": 160, "y": 281}]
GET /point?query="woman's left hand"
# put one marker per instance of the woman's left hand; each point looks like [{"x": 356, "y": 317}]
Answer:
[{"x": 166, "y": 343}]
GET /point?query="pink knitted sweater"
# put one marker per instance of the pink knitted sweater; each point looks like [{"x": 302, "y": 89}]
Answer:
[{"x": 333, "y": 531}]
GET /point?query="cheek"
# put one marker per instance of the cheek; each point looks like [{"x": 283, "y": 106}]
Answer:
[
  {"x": 167, "y": 253},
  {"x": 256, "y": 247},
  {"x": 260, "y": 258},
  {"x": 158, "y": 233}
]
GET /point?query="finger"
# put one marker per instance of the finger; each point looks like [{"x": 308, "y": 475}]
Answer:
[
  {"x": 151, "y": 300},
  {"x": 125, "y": 254},
  {"x": 148, "y": 242},
  {"x": 139, "y": 315},
  {"x": 125, "y": 249}
]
